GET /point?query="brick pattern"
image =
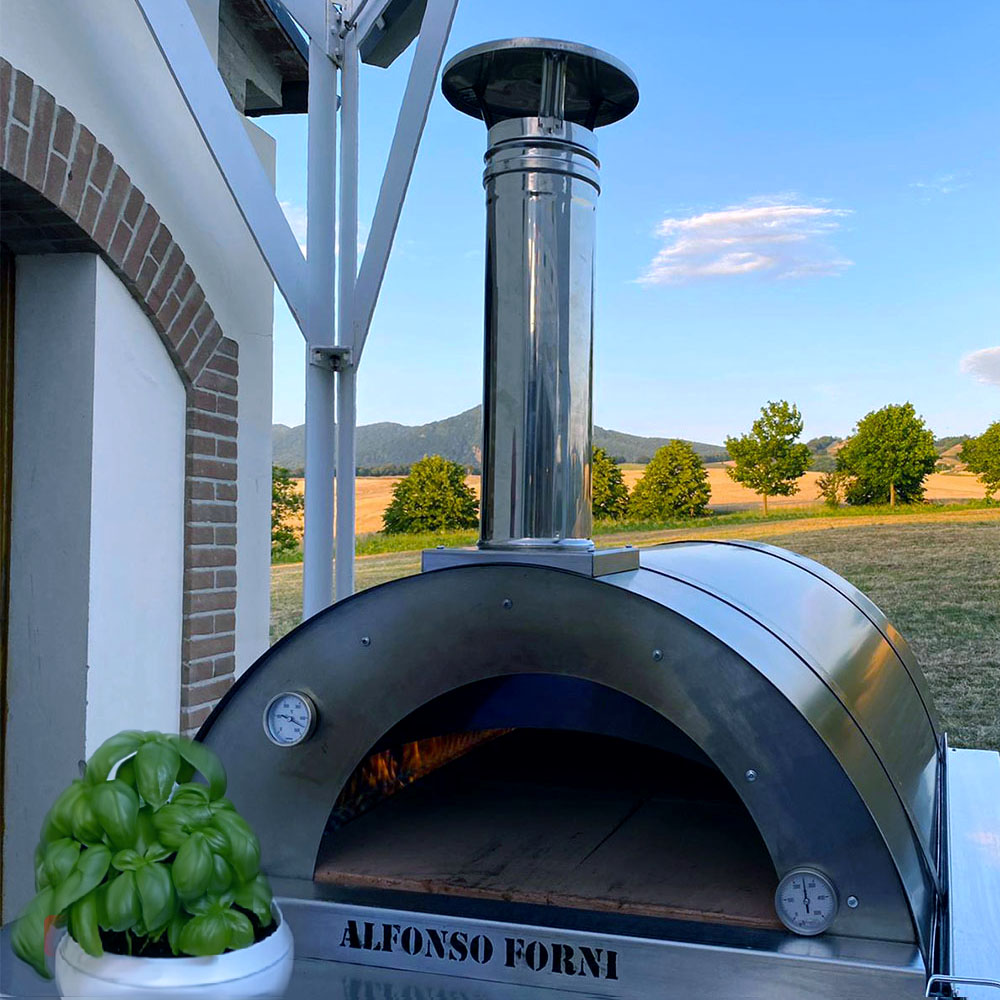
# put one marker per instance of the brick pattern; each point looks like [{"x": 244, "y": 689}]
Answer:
[{"x": 89, "y": 202}]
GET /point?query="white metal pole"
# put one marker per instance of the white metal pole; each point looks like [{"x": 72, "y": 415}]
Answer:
[
  {"x": 347, "y": 375},
  {"x": 317, "y": 543}
]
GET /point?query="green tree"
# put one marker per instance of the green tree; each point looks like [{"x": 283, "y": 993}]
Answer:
[
  {"x": 890, "y": 454},
  {"x": 768, "y": 460},
  {"x": 433, "y": 497},
  {"x": 609, "y": 492},
  {"x": 674, "y": 484},
  {"x": 286, "y": 502},
  {"x": 982, "y": 456},
  {"x": 833, "y": 486}
]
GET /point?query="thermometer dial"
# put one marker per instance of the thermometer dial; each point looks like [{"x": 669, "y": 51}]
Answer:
[
  {"x": 806, "y": 901},
  {"x": 290, "y": 718}
]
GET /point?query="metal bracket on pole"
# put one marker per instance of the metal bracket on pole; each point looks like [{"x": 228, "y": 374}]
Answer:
[{"x": 334, "y": 359}]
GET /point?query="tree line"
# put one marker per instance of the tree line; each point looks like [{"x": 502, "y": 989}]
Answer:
[{"x": 885, "y": 461}]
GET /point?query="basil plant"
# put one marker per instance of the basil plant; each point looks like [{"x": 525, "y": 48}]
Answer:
[{"x": 150, "y": 857}]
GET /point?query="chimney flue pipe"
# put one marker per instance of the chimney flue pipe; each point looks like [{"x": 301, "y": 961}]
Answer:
[{"x": 541, "y": 101}]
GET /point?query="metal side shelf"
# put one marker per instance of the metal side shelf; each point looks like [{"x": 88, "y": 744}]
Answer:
[{"x": 972, "y": 928}]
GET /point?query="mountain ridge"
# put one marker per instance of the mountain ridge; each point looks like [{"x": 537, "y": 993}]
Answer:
[{"x": 457, "y": 438}]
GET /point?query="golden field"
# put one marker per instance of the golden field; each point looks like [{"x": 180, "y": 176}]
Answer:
[{"x": 374, "y": 493}]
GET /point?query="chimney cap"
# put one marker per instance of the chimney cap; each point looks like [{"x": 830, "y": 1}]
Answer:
[{"x": 495, "y": 81}]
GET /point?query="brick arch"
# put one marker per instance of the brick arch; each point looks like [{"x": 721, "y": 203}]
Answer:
[{"x": 62, "y": 191}]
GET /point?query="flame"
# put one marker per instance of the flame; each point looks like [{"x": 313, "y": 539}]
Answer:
[{"x": 384, "y": 773}]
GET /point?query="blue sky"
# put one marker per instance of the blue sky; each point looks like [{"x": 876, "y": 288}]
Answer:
[{"x": 805, "y": 206}]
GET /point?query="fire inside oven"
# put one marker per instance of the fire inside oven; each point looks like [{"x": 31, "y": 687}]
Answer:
[{"x": 555, "y": 817}]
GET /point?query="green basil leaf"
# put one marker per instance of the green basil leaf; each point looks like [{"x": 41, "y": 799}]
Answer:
[
  {"x": 121, "y": 903},
  {"x": 156, "y": 766},
  {"x": 110, "y": 752},
  {"x": 156, "y": 895},
  {"x": 60, "y": 859},
  {"x": 191, "y": 793},
  {"x": 91, "y": 867},
  {"x": 83, "y": 925},
  {"x": 205, "y": 935},
  {"x": 59, "y": 819},
  {"x": 174, "y": 930},
  {"x": 41, "y": 875},
  {"x": 244, "y": 848},
  {"x": 27, "y": 936},
  {"x": 239, "y": 927},
  {"x": 205, "y": 762},
  {"x": 86, "y": 826},
  {"x": 127, "y": 861},
  {"x": 157, "y": 852},
  {"x": 217, "y": 840},
  {"x": 116, "y": 806},
  {"x": 126, "y": 773},
  {"x": 146, "y": 834},
  {"x": 256, "y": 897},
  {"x": 222, "y": 874},
  {"x": 192, "y": 868}
]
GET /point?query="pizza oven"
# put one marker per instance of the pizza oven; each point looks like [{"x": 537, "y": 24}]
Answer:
[{"x": 708, "y": 766}]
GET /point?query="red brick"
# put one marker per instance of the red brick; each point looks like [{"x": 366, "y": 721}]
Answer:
[
  {"x": 184, "y": 281},
  {"x": 219, "y": 383},
  {"x": 204, "y": 317},
  {"x": 161, "y": 243},
  {"x": 183, "y": 320},
  {"x": 210, "y": 601},
  {"x": 223, "y": 665},
  {"x": 229, "y": 347},
  {"x": 77, "y": 183},
  {"x": 187, "y": 347},
  {"x": 225, "y": 578},
  {"x": 225, "y": 448},
  {"x": 195, "y": 579},
  {"x": 166, "y": 313},
  {"x": 23, "y": 86},
  {"x": 119, "y": 244},
  {"x": 146, "y": 275},
  {"x": 41, "y": 136},
  {"x": 133, "y": 206},
  {"x": 143, "y": 237},
  {"x": 88, "y": 211},
  {"x": 113, "y": 202},
  {"x": 204, "y": 400},
  {"x": 221, "y": 363},
  {"x": 202, "y": 557},
  {"x": 198, "y": 444},
  {"x": 225, "y": 491},
  {"x": 199, "y": 491},
  {"x": 199, "y": 534},
  {"x": 16, "y": 153},
  {"x": 213, "y": 424},
  {"x": 62, "y": 136},
  {"x": 205, "y": 691},
  {"x": 200, "y": 671},
  {"x": 216, "y": 513},
  {"x": 225, "y": 534},
  {"x": 192, "y": 718},
  {"x": 55, "y": 177},
  {"x": 199, "y": 649},
  {"x": 6, "y": 82},
  {"x": 228, "y": 406},
  {"x": 202, "y": 354},
  {"x": 225, "y": 622},
  {"x": 171, "y": 266},
  {"x": 101, "y": 170},
  {"x": 198, "y": 625}
]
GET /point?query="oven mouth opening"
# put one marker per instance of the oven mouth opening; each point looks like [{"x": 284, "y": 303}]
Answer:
[{"x": 550, "y": 817}]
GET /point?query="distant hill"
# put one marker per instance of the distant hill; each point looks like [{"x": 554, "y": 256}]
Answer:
[{"x": 457, "y": 438}]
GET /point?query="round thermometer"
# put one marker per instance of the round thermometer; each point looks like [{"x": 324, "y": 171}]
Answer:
[
  {"x": 806, "y": 901},
  {"x": 290, "y": 718}
]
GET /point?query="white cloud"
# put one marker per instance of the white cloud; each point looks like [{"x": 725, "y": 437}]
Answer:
[
  {"x": 780, "y": 237},
  {"x": 983, "y": 366},
  {"x": 943, "y": 184}
]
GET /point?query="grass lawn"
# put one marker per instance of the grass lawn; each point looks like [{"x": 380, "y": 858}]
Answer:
[{"x": 936, "y": 578}]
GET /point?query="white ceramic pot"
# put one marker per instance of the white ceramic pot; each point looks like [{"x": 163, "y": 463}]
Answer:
[{"x": 262, "y": 970}]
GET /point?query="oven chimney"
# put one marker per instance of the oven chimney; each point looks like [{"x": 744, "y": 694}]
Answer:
[{"x": 541, "y": 101}]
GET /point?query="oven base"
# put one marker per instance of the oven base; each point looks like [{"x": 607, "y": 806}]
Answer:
[{"x": 476, "y": 957}]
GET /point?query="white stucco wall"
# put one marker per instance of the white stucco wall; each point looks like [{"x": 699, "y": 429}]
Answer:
[
  {"x": 50, "y": 549},
  {"x": 136, "y": 523},
  {"x": 99, "y": 60}
]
